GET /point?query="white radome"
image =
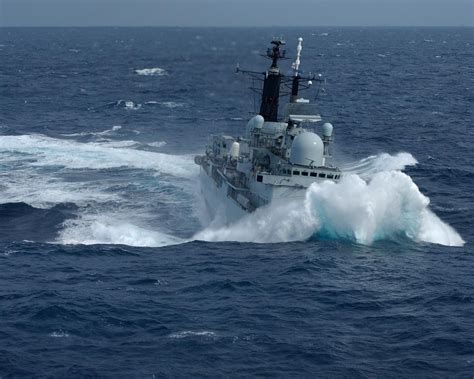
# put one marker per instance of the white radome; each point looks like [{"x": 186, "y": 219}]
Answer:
[
  {"x": 327, "y": 129},
  {"x": 307, "y": 150}
]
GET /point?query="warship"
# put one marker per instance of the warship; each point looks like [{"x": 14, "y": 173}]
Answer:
[{"x": 280, "y": 154}]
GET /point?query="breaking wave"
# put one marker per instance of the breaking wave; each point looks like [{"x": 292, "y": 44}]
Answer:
[
  {"x": 107, "y": 229},
  {"x": 373, "y": 205}
]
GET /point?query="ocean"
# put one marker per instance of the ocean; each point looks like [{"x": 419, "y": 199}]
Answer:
[{"x": 110, "y": 268}]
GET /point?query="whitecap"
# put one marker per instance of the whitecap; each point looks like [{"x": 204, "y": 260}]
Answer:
[
  {"x": 155, "y": 71},
  {"x": 112, "y": 229},
  {"x": 132, "y": 106},
  {"x": 59, "y": 334}
]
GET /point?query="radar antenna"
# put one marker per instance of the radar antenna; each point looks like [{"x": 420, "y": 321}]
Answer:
[{"x": 275, "y": 53}]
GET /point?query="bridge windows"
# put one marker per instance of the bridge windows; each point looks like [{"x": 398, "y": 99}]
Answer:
[{"x": 312, "y": 174}]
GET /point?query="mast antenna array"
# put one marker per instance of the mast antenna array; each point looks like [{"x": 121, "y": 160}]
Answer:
[{"x": 296, "y": 63}]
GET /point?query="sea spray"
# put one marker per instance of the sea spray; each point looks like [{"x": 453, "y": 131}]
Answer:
[
  {"x": 373, "y": 164},
  {"x": 384, "y": 207}
]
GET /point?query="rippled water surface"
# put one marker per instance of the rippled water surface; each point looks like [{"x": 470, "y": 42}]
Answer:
[{"x": 110, "y": 266}]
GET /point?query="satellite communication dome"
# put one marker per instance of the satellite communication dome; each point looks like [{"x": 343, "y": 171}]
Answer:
[
  {"x": 307, "y": 150},
  {"x": 327, "y": 129}
]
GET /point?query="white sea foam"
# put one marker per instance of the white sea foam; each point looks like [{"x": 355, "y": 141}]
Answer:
[
  {"x": 157, "y": 144},
  {"x": 48, "y": 191},
  {"x": 47, "y": 151},
  {"x": 112, "y": 229},
  {"x": 387, "y": 205},
  {"x": 104, "y": 213},
  {"x": 117, "y": 143},
  {"x": 155, "y": 71}
]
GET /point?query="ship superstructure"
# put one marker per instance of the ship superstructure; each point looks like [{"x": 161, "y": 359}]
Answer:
[{"x": 278, "y": 157}]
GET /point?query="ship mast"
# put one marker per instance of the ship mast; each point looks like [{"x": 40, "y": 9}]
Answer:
[
  {"x": 296, "y": 76},
  {"x": 273, "y": 80},
  {"x": 271, "y": 83}
]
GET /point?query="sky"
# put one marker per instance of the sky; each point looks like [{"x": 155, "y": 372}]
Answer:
[{"x": 236, "y": 13}]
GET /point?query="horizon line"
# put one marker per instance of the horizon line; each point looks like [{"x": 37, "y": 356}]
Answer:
[{"x": 235, "y": 26}]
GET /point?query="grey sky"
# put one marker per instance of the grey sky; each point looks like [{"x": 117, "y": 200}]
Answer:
[{"x": 236, "y": 12}]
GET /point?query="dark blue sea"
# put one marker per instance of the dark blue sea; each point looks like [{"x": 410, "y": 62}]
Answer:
[{"x": 109, "y": 268}]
